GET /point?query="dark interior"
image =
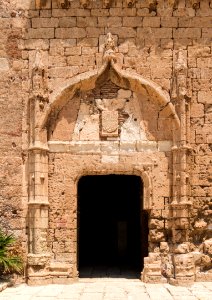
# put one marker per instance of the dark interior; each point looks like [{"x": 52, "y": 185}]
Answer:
[{"x": 112, "y": 228}]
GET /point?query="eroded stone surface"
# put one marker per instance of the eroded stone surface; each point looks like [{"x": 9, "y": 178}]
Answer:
[{"x": 107, "y": 88}]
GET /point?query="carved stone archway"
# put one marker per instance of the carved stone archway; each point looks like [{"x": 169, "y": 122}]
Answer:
[{"x": 42, "y": 104}]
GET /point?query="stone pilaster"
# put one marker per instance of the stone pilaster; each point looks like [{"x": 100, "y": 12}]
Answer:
[{"x": 38, "y": 257}]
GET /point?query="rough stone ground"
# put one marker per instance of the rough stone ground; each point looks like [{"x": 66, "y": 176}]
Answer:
[{"x": 109, "y": 289}]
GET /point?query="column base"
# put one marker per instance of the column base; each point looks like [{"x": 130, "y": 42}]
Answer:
[
  {"x": 182, "y": 281},
  {"x": 41, "y": 271}
]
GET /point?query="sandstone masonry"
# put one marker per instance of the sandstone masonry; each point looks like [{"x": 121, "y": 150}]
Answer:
[{"x": 107, "y": 87}]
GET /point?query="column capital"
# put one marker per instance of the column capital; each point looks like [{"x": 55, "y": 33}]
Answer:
[{"x": 38, "y": 146}]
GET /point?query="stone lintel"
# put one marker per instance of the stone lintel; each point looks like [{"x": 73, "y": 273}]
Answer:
[{"x": 84, "y": 147}]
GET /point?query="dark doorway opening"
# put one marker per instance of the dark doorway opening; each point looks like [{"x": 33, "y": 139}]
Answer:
[{"x": 112, "y": 227}]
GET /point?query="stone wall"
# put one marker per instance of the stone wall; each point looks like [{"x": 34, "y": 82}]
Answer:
[
  {"x": 44, "y": 46},
  {"x": 13, "y": 197}
]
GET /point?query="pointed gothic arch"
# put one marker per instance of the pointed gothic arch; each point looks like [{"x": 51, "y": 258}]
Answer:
[{"x": 124, "y": 79}]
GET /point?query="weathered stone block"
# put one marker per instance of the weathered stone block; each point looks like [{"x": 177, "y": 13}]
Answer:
[
  {"x": 171, "y": 22},
  {"x": 70, "y": 33},
  {"x": 158, "y": 33},
  {"x": 87, "y": 22},
  {"x": 132, "y": 21},
  {"x": 164, "y": 145},
  {"x": 152, "y": 22},
  {"x": 197, "y": 110},
  {"x": 148, "y": 146},
  {"x": 44, "y": 22},
  {"x": 205, "y": 97},
  {"x": 68, "y": 22},
  {"x": 40, "y": 33},
  {"x": 4, "y": 65},
  {"x": 194, "y": 33},
  {"x": 110, "y": 21}
]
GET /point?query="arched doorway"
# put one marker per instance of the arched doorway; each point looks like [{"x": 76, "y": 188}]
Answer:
[
  {"x": 112, "y": 226},
  {"x": 99, "y": 123}
]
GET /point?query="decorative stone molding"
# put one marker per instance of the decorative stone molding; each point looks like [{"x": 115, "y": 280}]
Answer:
[
  {"x": 142, "y": 170},
  {"x": 152, "y": 4},
  {"x": 109, "y": 49}
]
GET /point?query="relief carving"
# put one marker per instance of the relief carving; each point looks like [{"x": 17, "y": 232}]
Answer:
[
  {"x": 195, "y": 3},
  {"x": 64, "y": 3},
  {"x": 109, "y": 117},
  {"x": 109, "y": 123},
  {"x": 130, "y": 3},
  {"x": 84, "y": 3}
]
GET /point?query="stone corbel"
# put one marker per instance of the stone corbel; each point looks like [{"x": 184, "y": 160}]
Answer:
[
  {"x": 42, "y": 4},
  {"x": 173, "y": 3},
  {"x": 63, "y": 4},
  {"x": 152, "y": 5},
  {"x": 84, "y": 3},
  {"x": 107, "y": 3},
  {"x": 195, "y": 3},
  {"x": 130, "y": 3},
  {"x": 38, "y": 4}
]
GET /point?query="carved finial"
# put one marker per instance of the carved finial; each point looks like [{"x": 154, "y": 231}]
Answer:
[
  {"x": 109, "y": 48},
  {"x": 109, "y": 42}
]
